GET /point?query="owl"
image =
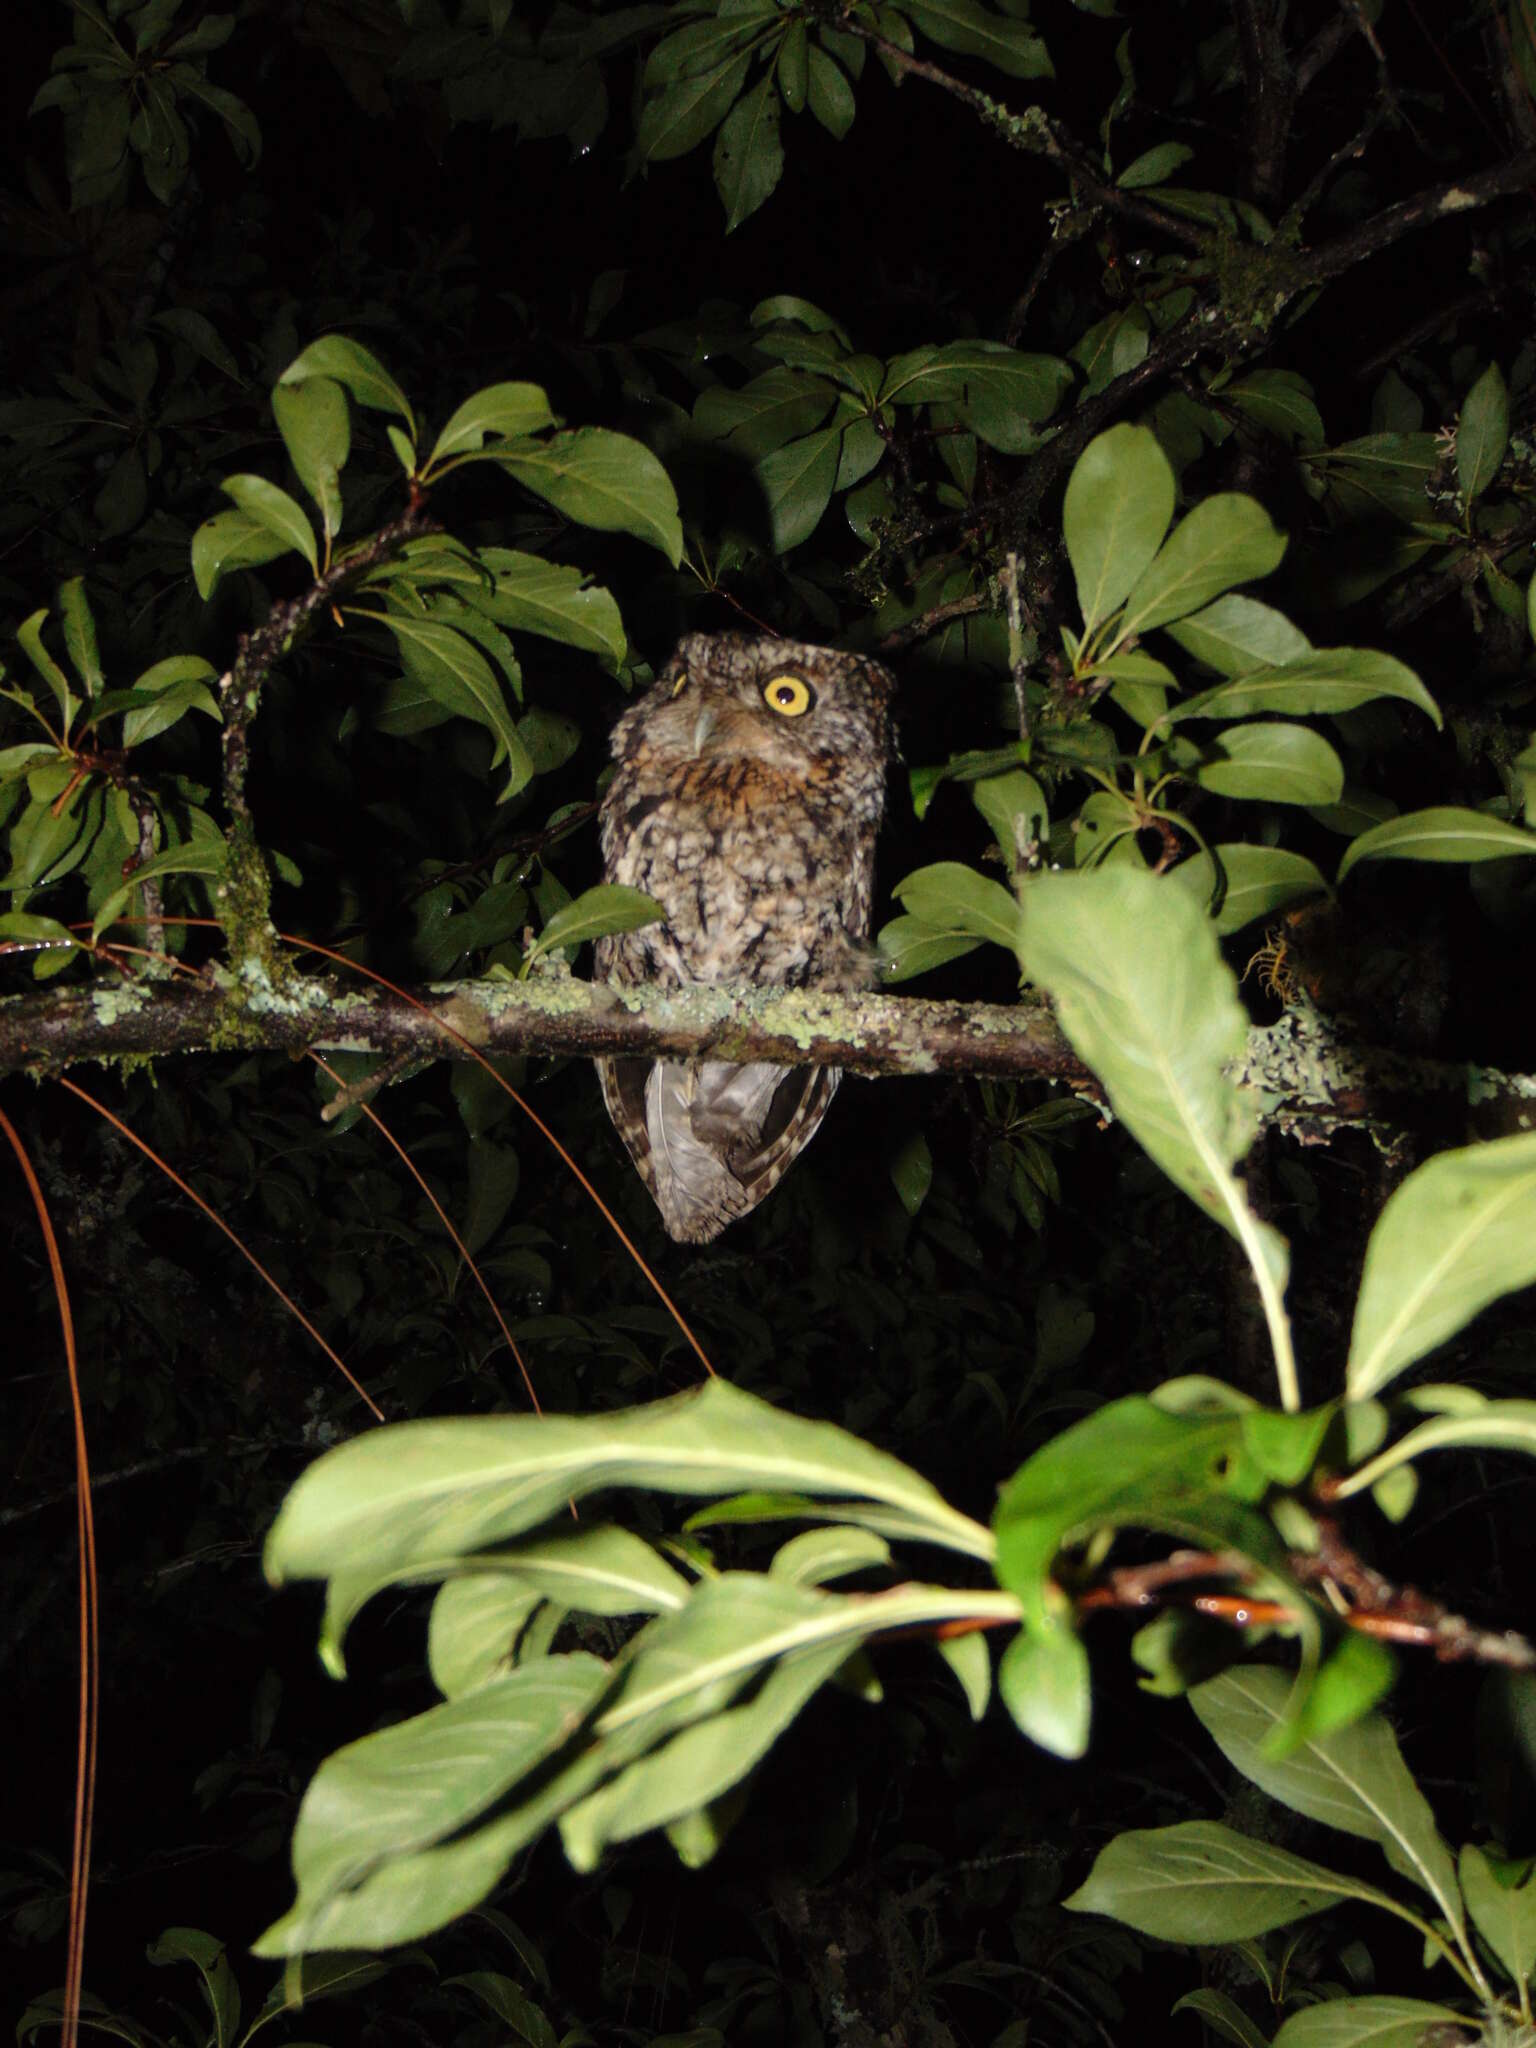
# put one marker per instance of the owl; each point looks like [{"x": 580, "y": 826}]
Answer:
[{"x": 750, "y": 783}]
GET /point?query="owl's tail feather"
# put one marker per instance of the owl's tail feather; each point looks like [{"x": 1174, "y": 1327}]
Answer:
[{"x": 721, "y": 1137}]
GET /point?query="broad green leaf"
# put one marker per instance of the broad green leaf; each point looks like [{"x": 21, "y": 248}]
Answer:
[
  {"x": 1153, "y": 167},
  {"x": 457, "y": 679},
  {"x": 200, "y": 335},
  {"x": 1284, "y": 764},
  {"x": 1372, "y": 2023},
  {"x": 1237, "y": 634},
  {"x": 999, "y": 392},
  {"x": 522, "y": 2020},
  {"x": 282, "y": 516},
  {"x": 1493, "y": 1426},
  {"x": 376, "y": 1810},
  {"x": 698, "y": 49},
  {"x": 1482, "y": 433},
  {"x": 680, "y": 116},
  {"x": 686, "y": 1674},
  {"x": 1043, "y": 1681},
  {"x": 793, "y": 66},
  {"x": 179, "y": 684},
  {"x": 80, "y": 635},
  {"x": 1353, "y": 1779},
  {"x": 909, "y": 946},
  {"x": 797, "y": 485},
  {"x": 1141, "y": 990},
  {"x": 1014, "y": 805},
  {"x": 780, "y": 406},
  {"x": 1204, "y": 1883},
  {"x": 198, "y": 856},
  {"x": 553, "y": 599},
  {"x": 1256, "y": 880},
  {"x": 1458, "y": 1233},
  {"x": 30, "y": 636},
  {"x": 549, "y": 740},
  {"x": 1225, "y": 540},
  {"x": 472, "y": 1632},
  {"x": 21, "y": 930},
  {"x": 974, "y": 31},
  {"x": 506, "y": 410},
  {"x": 817, "y": 1555},
  {"x": 420, "y": 1488},
  {"x": 951, "y": 897},
  {"x": 1118, "y": 506},
  {"x": 1222, "y": 2015},
  {"x": 1281, "y": 401},
  {"x": 1446, "y": 832},
  {"x": 749, "y": 157},
  {"x": 828, "y": 93},
  {"x": 604, "y": 908},
  {"x": 350, "y": 364},
  {"x": 209, "y": 1958},
  {"x": 602, "y": 479},
  {"x": 912, "y": 1172},
  {"x": 316, "y": 427},
  {"x": 1501, "y": 1899},
  {"x": 1330, "y": 679},
  {"x": 971, "y": 1662}
]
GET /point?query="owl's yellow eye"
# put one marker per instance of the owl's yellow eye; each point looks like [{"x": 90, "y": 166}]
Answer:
[
  {"x": 681, "y": 684},
  {"x": 790, "y": 695}
]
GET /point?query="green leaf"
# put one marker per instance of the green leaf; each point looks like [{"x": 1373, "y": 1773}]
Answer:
[
  {"x": 231, "y": 540},
  {"x": 373, "y": 1870},
  {"x": 282, "y": 516},
  {"x": 1237, "y": 634},
  {"x": 961, "y": 25},
  {"x": 749, "y": 157},
  {"x": 999, "y": 392},
  {"x": 179, "y": 686},
  {"x": 506, "y": 410},
  {"x": 1330, "y": 679},
  {"x": 1446, "y": 832},
  {"x": 553, "y": 599},
  {"x": 1141, "y": 990},
  {"x": 29, "y": 635},
  {"x": 1225, "y": 540},
  {"x": 1223, "y": 2015},
  {"x": 350, "y": 364},
  {"x": 207, "y": 1955},
  {"x": 818, "y": 1555},
  {"x": 679, "y": 118},
  {"x": 780, "y": 406},
  {"x": 604, "y": 908},
  {"x": 908, "y": 946},
  {"x": 1482, "y": 433},
  {"x": 80, "y": 635},
  {"x": 1118, "y": 506},
  {"x": 1043, "y": 1681},
  {"x": 1014, "y": 805},
  {"x": 912, "y": 1172},
  {"x": 1204, "y": 1883},
  {"x": 1280, "y": 401},
  {"x": 1458, "y": 1233},
  {"x": 1501, "y": 1899},
  {"x": 1284, "y": 764},
  {"x": 828, "y": 93},
  {"x": 1371, "y": 2023},
  {"x": 793, "y": 66},
  {"x": 316, "y": 427},
  {"x": 1153, "y": 167},
  {"x": 399, "y": 1495},
  {"x": 1258, "y": 880},
  {"x": 797, "y": 485},
  {"x": 197, "y": 856},
  {"x": 951, "y": 897},
  {"x": 604, "y": 480},
  {"x": 456, "y": 678},
  {"x": 1353, "y": 1779}
]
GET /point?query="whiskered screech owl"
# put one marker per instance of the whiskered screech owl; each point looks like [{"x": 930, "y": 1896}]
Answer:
[{"x": 750, "y": 783}]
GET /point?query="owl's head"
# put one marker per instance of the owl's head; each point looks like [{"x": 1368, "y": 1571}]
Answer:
[{"x": 735, "y": 695}]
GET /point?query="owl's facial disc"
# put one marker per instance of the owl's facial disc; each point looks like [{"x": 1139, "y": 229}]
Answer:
[{"x": 788, "y": 694}]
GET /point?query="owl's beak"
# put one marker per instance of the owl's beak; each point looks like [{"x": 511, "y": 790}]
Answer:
[{"x": 703, "y": 726}]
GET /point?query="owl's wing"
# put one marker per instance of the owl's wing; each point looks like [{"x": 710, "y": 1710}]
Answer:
[{"x": 709, "y": 1139}]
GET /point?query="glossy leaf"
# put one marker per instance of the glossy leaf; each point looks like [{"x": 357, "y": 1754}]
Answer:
[
  {"x": 80, "y": 635},
  {"x": 606, "y": 480},
  {"x": 1501, "y": 1899},
  {"x": 281, "y": 515},
  {"x": 1001, "y": 393},
  {"x": 1226, "y": 539},
  {"x": 749, "y": 157},
  {"x": 316, "y": 427},
  {"x": 910, "y": 946},
  {"x": 355, "y": 367},
  {"x": 951, "y": 897},
  {"x": 1446, "y": 832},
  {"x": 1371, "y": 2023},
  {"x": 828, "y": 93},
  {"x": 780, "y": 406},
  {"x": 606, "y": 907},
  {"x": 1256, "y": 880},
  {"x": 1118, "y": 507},
  {"x": 1353, "y": 1779},
  {"x": 797, "y": 485},
  {"x": 1482, "y": 433},
  {"x": 1237, "y": 635},
  {"x": 1330, "y": 679},
  {"x": 553, "y": 599},
  {"x": 505, "y": 410},
  {"x": 1204, "y": 1883},
  {"x": 974, "y": 31},
  {"x": 1285, "y": 764},
  {"x": 457, "y": 681},
  {"x": 680, "y": 117},
  {"x": 1458, "y": 1233}
]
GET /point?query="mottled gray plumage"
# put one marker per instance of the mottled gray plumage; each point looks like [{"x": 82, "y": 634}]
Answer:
[{"x": 749, "y": 788}]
